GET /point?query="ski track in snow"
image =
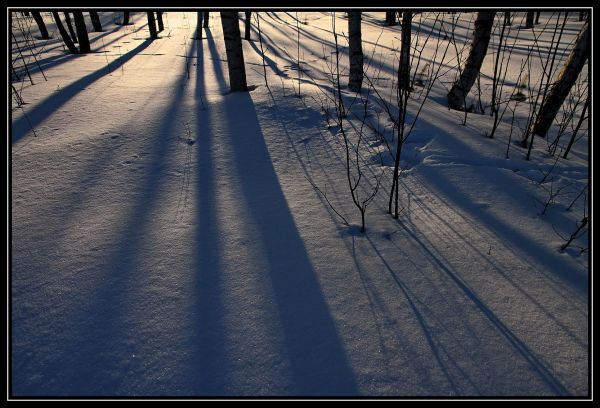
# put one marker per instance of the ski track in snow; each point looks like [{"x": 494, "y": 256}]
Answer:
[{"x": 166, "y": 239}]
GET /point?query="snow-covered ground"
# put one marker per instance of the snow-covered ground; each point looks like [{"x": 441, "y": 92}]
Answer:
[{"x": 168, "y": 239}]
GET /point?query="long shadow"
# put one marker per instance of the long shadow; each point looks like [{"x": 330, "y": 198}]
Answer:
[
  {"x": 209, "y": 360},
  {"x": 45, "y": 108},
  {"x": 553, "y": 383},
  {"x": 550, "y": 261},
  {"x": 55, "y": 60},
  {"x": 315, "y": 350},
  {"x": 91, "y": 354}
]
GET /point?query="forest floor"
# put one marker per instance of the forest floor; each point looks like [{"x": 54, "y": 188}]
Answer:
[{"x": 167, "y": 238}]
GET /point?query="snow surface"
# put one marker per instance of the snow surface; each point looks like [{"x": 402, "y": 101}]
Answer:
[{"x": 167, "y": 239}]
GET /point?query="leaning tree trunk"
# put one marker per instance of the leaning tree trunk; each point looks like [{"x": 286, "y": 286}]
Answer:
[
  {"x": 84, "y": 41},
  {"x": 247, "y": 25},
  {"x": 206, "y": 19},
  {"x": 481, "y": 39},
  {"x": 152, "y": 25},
  {"x": 96, "y": 21},
  {"x": 70, "y": 26},
  {"x": 40, "y": 23},
  {"x": 126, "y": 18},
  {"x": 567, "y": 77},
  {"x": 63, "y": 33},
  {"x": 161, "y": 26},
  {"x": 355, "y": 51},
  {"x": 530, "y": 19},
  {"x": 235, "y": 54}
]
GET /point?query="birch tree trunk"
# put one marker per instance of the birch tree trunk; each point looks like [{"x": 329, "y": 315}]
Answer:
[
  {"x": 40, "y": 23},
  {"x": 235, "y": 54},
  {"x": 199, "y": 25},
  {"x": 247, "y": 26},
  {"x": 529, "y": 20},
  {"x": 161, "y": 26},
  {"x": 152, "y": 25},
  {"x": 567, "y": 77},
  {"x": 84, "y": 41},
  {"x": 96, "y": 21},
  {"x": 390, "y": 18},
  {"x": 481, "y": 38},
  {"x": 355, "y": 51},
  {"x": 70, "y": 26},
  {"x": 63, "y": 33}
]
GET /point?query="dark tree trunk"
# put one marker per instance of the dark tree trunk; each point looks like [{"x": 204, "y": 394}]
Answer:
[
  {"x": 126, "y": 18},
  {"x": 84, "y": 41},
  {"x": 70, "y": 26},
  {"x": 529, "y": 20},
  {"x": 560, "y": 89},
  {"x": 403, "y": 94},
  {"x": 199, "y": 25},
  {"x": 537, "y": 17},
  {"x": 63, "y": 33},
  {"x": 507, "y": 21},
  {"x": 481, "y": 39},
  {"x": 390, "y": 18},
  {"x": 581, "y": 15},
  {"x": 161, "y": 26},
  {"x": 152, "y": 25},
  {"x": 355, "y": 51},
  {"x": 40, "y": 23},
  {"x": 579, "y": 123},
  {"x": 247, "y": 26},
  {"x": 235, "y": 54},
  {"x": 206, "y": 19},
  {"x": 96, "y": 21}
]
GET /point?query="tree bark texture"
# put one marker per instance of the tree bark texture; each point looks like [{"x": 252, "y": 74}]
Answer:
[
  {"x": 235, "y": 54},
  {"x": 566, "y": 79},
  {"x": 481, "y": 39}
]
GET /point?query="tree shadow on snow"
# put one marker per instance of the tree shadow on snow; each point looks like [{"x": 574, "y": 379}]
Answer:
[
  {"x": 99, "y": 354},
  {"x": 314, "y": 348},
  {"x": 48, "y": 106}
]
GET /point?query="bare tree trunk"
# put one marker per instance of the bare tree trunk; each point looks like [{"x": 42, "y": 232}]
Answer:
[
  {"x": 537, "y": 17},
  {"x": 529, "y": 20},
  {"x": 247, "y": 25},
  {"x": 206, "y": 15},
  {"x": 70, "y": 26},
  {"x": 390, "y": 18},
  {"x": 355, "y": 51},
  {"x": 84, "y": 41},
  {"x": 152, "y": 25},
  {"x": 199, "y": 25},
  {"x": 96, "y": 21},
  {"x": 161, "y": 26},
  {"x": 579, "y": 123},
  {"x": 403, "y": 94},
  {"x": 126, "y": 18},
  {"x": 481, "y": 39},
  {"x": 507, "y": 21},
  {"x": 567, "y": 77},
  {"x": 63, "y": 33},
  {"x": 40, "y": 23},
  {"x": 235, "y": 53}
]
